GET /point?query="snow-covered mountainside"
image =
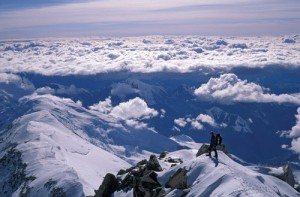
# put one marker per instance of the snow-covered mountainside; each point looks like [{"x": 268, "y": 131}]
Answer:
[
  {"x": 224, "y": 177},
  {"x": 182, "y": 173},
  {"x": 73, "y": 110}
]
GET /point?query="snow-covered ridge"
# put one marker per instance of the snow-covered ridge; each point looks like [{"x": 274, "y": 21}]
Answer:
[
  {"x": 70, "y": 148},
  {"x": 156, "y": 54},
  {"x": 188, "y": 175}
]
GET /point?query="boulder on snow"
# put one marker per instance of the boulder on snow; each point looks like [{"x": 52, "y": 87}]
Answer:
[
  {"x": 147, "y": 185},
  {"x": 143, "y": 162},
  {"x": 204, "y": 149},
  {"x": 163, "y": 154},
  {"x": 109, "y": 185},
  {"x": 287, "y": 175},
  {"x": 153, "y": 164},
  {"x": 173, "y": 160},
  {"x": 178, "y": 180}
]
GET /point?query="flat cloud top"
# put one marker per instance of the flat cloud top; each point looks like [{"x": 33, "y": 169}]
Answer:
[{"x": 87, "y": 56}]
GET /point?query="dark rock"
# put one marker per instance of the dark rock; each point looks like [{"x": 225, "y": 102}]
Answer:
[
  {"x": 122, "y": 171},
  {"x": 127, "y": 182},
  {"x": 172, "y": 160},
  {"x": 143, "y": 162},
  {"x": 204, "y": 149},
  {"x": 13, "y": 173},
  {"x": 153, "y": 164},
  {"x": 173, "y": 165},
  {"x": 158, "y": 192},
  {"x": 149, "y": 181},
  {"x": 287, "y": 175},
  {"x": 163, "y": 154},
  {"x": 178, "y": 180},
  {"x": 109, "y": 186},
  {"x": 147, "y": 185}
]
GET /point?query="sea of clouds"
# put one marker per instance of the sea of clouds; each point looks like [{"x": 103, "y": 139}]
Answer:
[{"x": 147, "y": 54}]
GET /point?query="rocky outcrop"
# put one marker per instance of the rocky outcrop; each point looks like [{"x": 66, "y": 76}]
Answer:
[
  {"x": 178, "y": 180},
  {"x": 153, "y": 164},
  {"x": 13, "y": 174},
  {"x": 204, "y": 149},
  {"x": 142, "y": 178},
  {"x": 287, "y": 175},
  {"x": 163, "y": 154},
  {"x": 109, "y": 185}
]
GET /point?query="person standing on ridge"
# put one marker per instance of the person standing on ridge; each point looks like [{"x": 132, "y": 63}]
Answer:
[{"x": 212, "y": 146}]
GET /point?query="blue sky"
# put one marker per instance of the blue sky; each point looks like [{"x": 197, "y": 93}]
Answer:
[{"x": 56, "y": 18}]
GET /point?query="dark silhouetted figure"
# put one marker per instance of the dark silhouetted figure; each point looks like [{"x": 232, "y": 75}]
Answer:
[
  {"x": 218, "y": 139},
  {"x": 212, "y": 146}
]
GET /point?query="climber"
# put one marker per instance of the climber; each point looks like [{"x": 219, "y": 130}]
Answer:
[
  {"x": 212, "y": 146},
  {"x": 218, "y": 139}
]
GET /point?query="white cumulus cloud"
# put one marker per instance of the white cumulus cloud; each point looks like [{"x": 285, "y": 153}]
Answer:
[
  {"x": 294, "y": 133},
  {"x": 135, "y": 108},
  {"x": 228, "y": 88},
  {"x": 196, "y": 123},
  {"x": 206, "y": 119},
  {"x": 132, "y": 112},
  {"x": 180, "y": 122}
]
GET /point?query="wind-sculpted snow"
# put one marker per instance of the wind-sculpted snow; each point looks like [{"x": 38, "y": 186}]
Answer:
[
  {"x": 156, "y": 54},
  {"x": 224, "y": 177}
]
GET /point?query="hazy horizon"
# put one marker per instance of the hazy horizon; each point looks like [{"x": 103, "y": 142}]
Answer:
[{"x": 111, "y": 18}]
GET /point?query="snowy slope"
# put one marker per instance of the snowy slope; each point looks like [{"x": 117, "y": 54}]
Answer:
[
  {"x": 224, "y": 177},
  {"x": 68, "y": 148},
  {"x": 54, "y": 153}
]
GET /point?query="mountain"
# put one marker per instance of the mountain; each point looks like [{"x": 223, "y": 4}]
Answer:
[
  {"x": 199, "y": 176},
  {"x": 59, "y": 146},
  {"x": 73, "y": 110}
]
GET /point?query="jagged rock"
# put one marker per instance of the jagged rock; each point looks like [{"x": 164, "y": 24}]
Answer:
[
  {"x": 153, "y": 164},
  {"x": 204, "y": 149},
  {"x": 173, "y": 165},
  {"x": 150, "y": 181},
  {"x": 109, "y": 186},
  {"x": 287, "y": 175},
  {"x": 122, "y": 171},
  {"x": 178, "y": 180},
  {"x": 143, "y": 162},
  {"x": 163, "y": 154},
  {"x": 13, "y": 173},
  {"x": 147, "y": 185},
  {"x": 159, "y": 192},
  {"x": 172, "y": 160},
  {"x": 127, "y": 182}
]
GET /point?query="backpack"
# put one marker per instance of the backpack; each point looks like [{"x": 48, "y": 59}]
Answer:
[{"x": 218, "y": 139}]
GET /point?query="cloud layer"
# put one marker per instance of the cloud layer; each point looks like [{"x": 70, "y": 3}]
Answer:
[
  {"x": 147, "y": 54},
  {"x": 228, "y": 88}
]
